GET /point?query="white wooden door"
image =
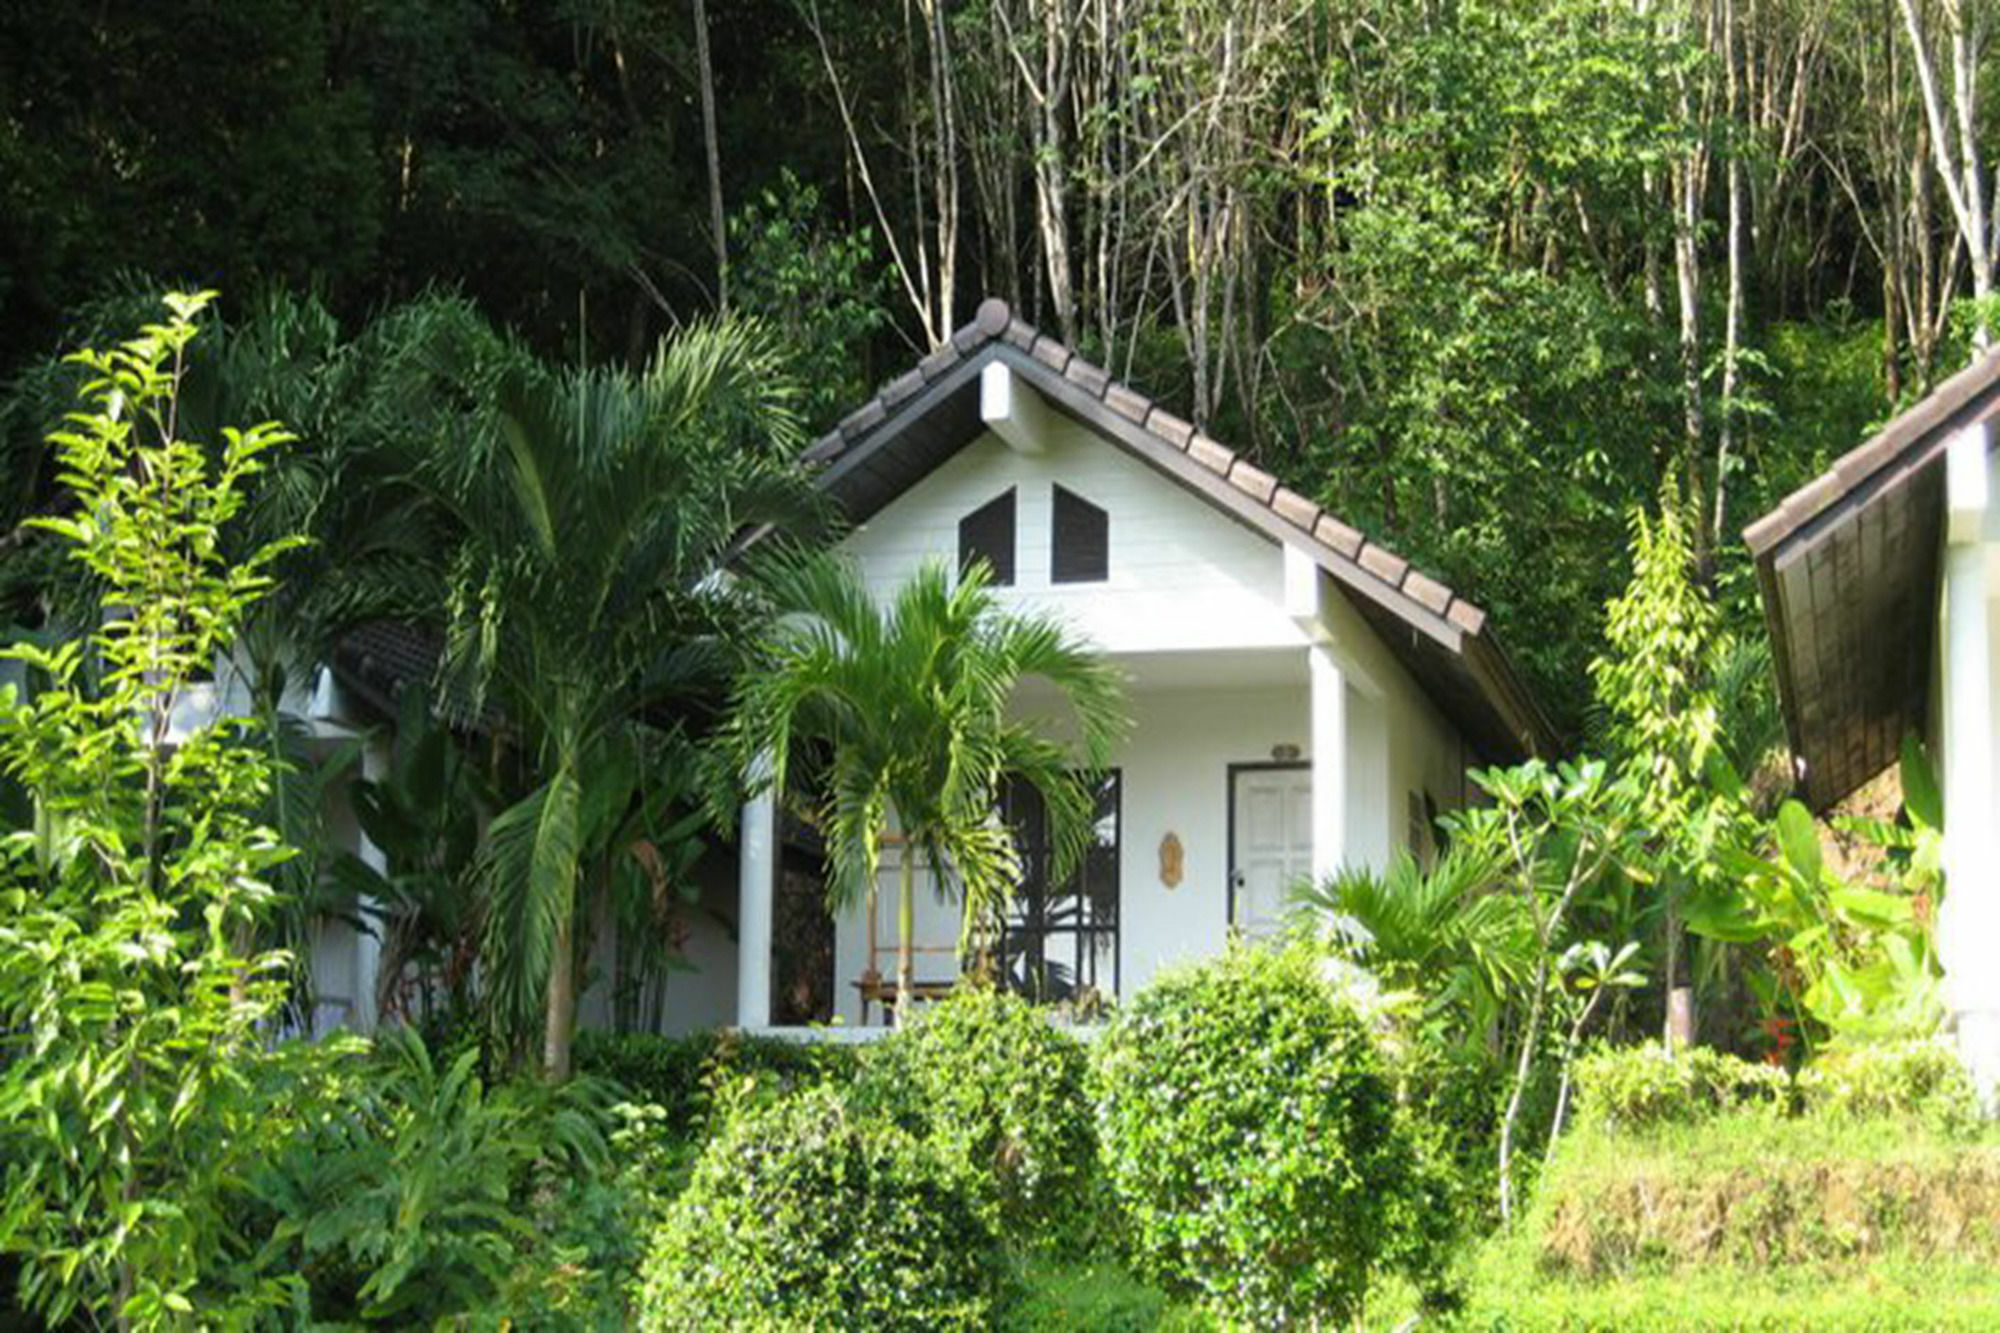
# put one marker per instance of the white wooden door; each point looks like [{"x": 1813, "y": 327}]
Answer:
[{"x": 1272, "y": 841}]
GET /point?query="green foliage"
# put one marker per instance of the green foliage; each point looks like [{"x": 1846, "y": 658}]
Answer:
[
  {"x": 1735, "y": 1202},
  {"x": 586, "y": 521},
  {"x": 405, "y": 1196},
  {"x": 1855, "y": 960},
  {"x": 910, "y": 702},
  {"x": 135, "y": 1013},
  {"x": 1639, "y": 1088},
  {"x": 1250, "y": 1134},
  {"x": 997, "y": 1089},
  {"x": 682, "y": 1075},
  {"x": 821, "y": 289},
  {"x": 805, "y": 1213},
  {"x": 423, "y": 816},
  {"x": 1442, "y": 934},
  {"x": 1092, "y": 1296}
]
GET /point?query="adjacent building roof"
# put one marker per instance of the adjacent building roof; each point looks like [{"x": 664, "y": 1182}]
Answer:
[
  {"x": 924, "y": 416},
  {"x": 1849, "y": 567}
]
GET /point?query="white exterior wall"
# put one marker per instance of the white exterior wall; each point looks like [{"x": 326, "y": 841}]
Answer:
[{"x": 1195, "y": 610}]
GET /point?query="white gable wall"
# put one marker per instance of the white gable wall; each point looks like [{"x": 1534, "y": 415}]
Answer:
[{"x": 1183, "y": 574}]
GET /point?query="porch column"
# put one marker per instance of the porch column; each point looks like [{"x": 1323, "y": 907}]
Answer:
[
  {"x": 367, "y": 944},
  {"x": 757, "y": 849},
  {"x": 1329, "y": 761},
  {"x": 1969, "y": 923}
]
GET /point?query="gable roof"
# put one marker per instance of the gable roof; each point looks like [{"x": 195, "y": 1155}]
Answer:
[
  {"x": 1849, "y": 565},
  {"x": 927, "y": 414}
]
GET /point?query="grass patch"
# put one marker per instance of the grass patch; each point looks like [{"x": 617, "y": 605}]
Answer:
[
  {"x": 1880, "y": 1297},
  {"x": 1749, "y": 1221}
]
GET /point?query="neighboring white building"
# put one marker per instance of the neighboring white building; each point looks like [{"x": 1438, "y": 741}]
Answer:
[
  {"x": 1302, "y": 698},
  {"x": 1879, "y": 579}
]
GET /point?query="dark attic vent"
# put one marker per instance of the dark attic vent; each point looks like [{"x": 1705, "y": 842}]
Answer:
[
  {"x": 987, "y": 533},
  {"x": 1082, "y": 541}
]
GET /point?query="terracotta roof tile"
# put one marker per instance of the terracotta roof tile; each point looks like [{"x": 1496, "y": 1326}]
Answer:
[
  {"x": 1210, "y": 455},
  {"x": 1170, "y": 427},
  {"x": 938, "y": 362},
  {"x": 1427, "y": 591},
  {"x": 1020, "y": 335},
  {"x": 992, "y": 316},
  {"x": 869, "y": 414},
  {"x": 1384, "y": 564},
  {"x": 1338, "y": 535},
  {"x": 1295, "y": 508},
  {"x": 1253, "y": 480},
  {"x": 1053, "y": 354},
  {"x": 1091, "y": 379},
  {"x": 1132, "y": 406},
  {"x": 903, "y": 386}
]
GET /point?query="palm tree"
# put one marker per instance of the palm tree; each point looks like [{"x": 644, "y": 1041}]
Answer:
[
  {"x": 582, "y": 603},
  {"x": 910, "y": 706}
]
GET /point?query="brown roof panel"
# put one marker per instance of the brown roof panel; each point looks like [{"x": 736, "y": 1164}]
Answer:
[{"x": 1848, "y": 566}]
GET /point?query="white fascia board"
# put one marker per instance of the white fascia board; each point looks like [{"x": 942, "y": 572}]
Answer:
[{"x": 1012, "y": 409}]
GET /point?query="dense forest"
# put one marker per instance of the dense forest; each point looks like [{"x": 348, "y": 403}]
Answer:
[{"x": 1486, "y": 276}]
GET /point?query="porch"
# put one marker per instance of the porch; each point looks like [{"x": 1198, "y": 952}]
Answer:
[{"x": 1245, "y": 771}]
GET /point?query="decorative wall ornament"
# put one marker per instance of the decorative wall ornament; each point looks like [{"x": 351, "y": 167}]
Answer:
[{"x": 1172, "y": 860}]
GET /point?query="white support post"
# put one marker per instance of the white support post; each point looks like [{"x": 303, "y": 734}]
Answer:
[
  {"x": 1969, "y": 923},
  {"x": 1012, "y": 409},
  {"x": 367, "y": 944},
  {"x": 1329, "y": 761},
  {"x": 758, "y": 881}
]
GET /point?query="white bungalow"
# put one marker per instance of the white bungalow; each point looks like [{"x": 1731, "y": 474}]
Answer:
[
  {"x": 1879, "y": 579},
  {"x": 1301, "y": 697}
]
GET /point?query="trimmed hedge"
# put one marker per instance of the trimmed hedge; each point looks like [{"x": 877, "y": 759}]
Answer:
[
  {"x": 1636, "y": 1088},
  {"x": 993, "y": 1085},
  {"x": 679, "y": 1074},
  {"x": 806, "y": 1214},
  {"x": 1251, "y": 1135}
]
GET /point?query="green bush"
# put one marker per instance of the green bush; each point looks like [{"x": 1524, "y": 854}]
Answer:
[
  {"x": 1251, "y": 1136},
  {"x": 1634, "y": 1088},
  {"x": 680, "y": 1075},
  {"x": 1916, "y": 1079},
  {"x": 994, "y": 1086},
  {"x": 406, "y": 1195},
  {"x": 804, "y": 1213},
  {"x": 1637, "y": 1088}
]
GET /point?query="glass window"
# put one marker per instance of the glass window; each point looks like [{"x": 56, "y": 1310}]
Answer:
[
  {"x": 987, "y": 533},
  {"x": 1060, "y": 941},
  {"x": 1081, "y": 550}
]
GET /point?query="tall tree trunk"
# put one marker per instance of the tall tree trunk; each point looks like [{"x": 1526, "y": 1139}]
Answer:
[
  {"x": 559, "y": 1031},
  {"x": 716, "y": 222}
]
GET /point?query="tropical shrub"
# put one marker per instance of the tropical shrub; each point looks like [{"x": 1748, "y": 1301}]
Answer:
[
  {"x": 133, "y": 1005},
  {"x": 683, "y": 1075},
  {"x": 999, "y": 1090},
  {"x": 1250, "y": 1134},
  {"x": 406, "y": 1197},
  {"x": 1639, "y": 1088},
  {"x": 806, "y": 1214}
]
